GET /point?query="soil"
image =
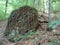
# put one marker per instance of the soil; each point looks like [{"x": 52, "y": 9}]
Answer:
[{"x": 42, "y": 38}]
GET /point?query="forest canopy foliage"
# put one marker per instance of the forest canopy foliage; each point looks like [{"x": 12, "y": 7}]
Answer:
[{"x": 14, "y": 4}]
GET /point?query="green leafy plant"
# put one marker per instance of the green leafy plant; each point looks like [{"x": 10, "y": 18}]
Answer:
[{"x": 54, "y": 23}]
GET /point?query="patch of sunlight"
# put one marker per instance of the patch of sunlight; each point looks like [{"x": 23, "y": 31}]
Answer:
[
  {"x": 9, "y": 9},
  {"x": 3, "y": 2}
]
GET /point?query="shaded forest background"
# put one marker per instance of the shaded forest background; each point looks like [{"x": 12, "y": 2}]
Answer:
[{"x": 14, "y": 4}]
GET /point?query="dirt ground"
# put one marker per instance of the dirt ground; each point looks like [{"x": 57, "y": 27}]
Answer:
[
  {"x": 42, "y": 38},
  {"x": 2, "y": 27}
]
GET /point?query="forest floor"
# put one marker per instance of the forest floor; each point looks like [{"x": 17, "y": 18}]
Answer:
[{"x": 42, "y": 38}]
